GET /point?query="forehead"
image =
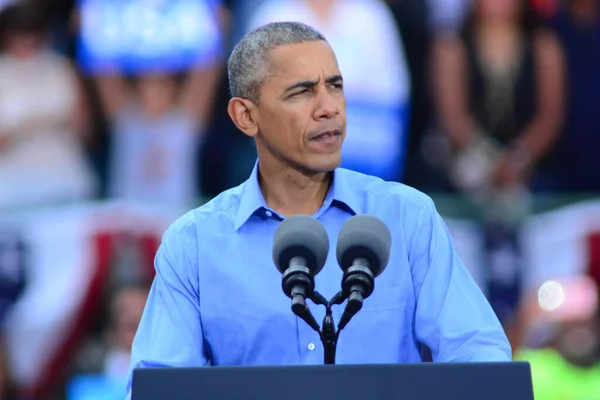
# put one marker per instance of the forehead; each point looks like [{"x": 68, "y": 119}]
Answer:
[{"x": 302, "y": 61}]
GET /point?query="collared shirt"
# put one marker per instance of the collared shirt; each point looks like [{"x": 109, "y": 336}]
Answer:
[{"x": 217, "y": 297}]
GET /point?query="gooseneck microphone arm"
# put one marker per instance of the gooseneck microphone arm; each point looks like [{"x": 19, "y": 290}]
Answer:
[{"x": 328, "y": 334}]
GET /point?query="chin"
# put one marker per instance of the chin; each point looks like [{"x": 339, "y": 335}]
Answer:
[{"x": 325, "y": 164}]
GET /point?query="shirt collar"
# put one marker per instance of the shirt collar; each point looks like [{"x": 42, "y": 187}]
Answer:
[{"x": 340, "y": 195}]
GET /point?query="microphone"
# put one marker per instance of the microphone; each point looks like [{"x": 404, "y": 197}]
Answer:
[
  {"x": 363, "y": 251},
  {"x": 300, "y": 248}
]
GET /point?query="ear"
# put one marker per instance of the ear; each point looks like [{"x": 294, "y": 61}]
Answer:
[{"x": 241, "y": 112}]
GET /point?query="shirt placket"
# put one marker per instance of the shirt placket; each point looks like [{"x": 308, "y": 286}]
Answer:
[{"x": 311, "y": 348}]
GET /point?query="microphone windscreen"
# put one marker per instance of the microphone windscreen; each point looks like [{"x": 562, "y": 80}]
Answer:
[
  {"x": 300, "y": 236},
  {"x": 364, "y": 236}
]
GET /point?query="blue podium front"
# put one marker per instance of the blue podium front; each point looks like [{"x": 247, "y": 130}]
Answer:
[{"x": 427, "y": 381}]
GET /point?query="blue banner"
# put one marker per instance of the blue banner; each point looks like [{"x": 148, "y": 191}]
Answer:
[
  {"x": 376, "y": 139},
  {"x": 142, "y": 35}
]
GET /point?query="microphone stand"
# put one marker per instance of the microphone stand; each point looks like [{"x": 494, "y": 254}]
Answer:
[{"x": 328, "y": 334}]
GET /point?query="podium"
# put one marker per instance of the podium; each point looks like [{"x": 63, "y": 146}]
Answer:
[{"x": 426, "y": 381}]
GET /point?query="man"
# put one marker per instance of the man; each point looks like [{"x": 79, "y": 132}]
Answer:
[{"x": 217, "y": 296}]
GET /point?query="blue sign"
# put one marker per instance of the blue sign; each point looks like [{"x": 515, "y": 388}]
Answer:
[
  {"x": 376, "y": 136},
  {"x": 142, "y": 35}
]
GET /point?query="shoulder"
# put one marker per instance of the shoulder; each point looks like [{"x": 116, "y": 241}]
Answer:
[
  {"x": 197, "y": 231},
  {"x": 57, "y": 64},
  {"x": 410, "y": 214},
  {"x": 376, "y": 192},
  {"x": 218, "y": 214},
  {"x": 6, "y": 66},
  {"x": 57, "y": 59},
  {"x": 545, "y": 43},
  {"x": 194, "y": 234},
  {"x": 449, "y": 45},
  {"x": 451, "y": 55},
  {"x": 547, "y": 50}
]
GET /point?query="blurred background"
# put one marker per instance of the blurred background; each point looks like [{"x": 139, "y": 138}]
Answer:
[{"x": 113, "y": 123}]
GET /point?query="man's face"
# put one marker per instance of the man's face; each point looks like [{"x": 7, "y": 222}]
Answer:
[{"x": 301, "y": 116}]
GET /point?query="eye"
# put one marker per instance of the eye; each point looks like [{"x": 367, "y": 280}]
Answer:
[
  {"x": 337, "y": 85},
  {"x": 299, "y": 93}
]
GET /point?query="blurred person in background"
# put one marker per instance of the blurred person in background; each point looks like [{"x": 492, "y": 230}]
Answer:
[
  {"x": 126, "y": 308},
  {"x": 578, "y": 27},
  {"x": 110, "y": 355},
  {"x": 419, "y": 23},
  {"x": 157, "y": 108},
  {"x": 157, "y": 124},
  {"x": 498, "y": 88},
  {"x": 561, "y": 339},
  {"x": 367, "y": 42},
  {"x": 42, "y": 116},
  {"x": 100, "y": 368}
]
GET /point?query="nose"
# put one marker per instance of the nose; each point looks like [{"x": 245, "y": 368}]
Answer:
[{"x": 327, "y": 106}]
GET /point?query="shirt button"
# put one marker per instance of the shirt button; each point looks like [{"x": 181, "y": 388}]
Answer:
[
  {"x": 269, "y": 214},
  {"x": 311, "y": 346}
]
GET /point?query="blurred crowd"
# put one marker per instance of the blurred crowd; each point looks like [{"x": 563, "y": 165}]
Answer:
[{"x": 124, "y": 102}]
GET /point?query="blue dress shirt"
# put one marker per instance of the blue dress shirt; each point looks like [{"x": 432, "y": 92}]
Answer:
[{"x": 217, "y": 297}]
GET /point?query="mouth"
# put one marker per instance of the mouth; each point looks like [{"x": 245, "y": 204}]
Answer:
[{"x": 328, "y": 136}]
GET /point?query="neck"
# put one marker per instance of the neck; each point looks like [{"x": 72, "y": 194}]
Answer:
[
  {"x": 498, "y": 43},
  {"x": 290, "y": 191},
  {"x": 495, "y": 29}
]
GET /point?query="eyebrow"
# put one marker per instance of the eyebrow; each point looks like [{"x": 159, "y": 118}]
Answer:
[{"x": 311, "y": 84}]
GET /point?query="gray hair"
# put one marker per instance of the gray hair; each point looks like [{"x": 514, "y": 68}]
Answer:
[{"x": 248, "y": 65}]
